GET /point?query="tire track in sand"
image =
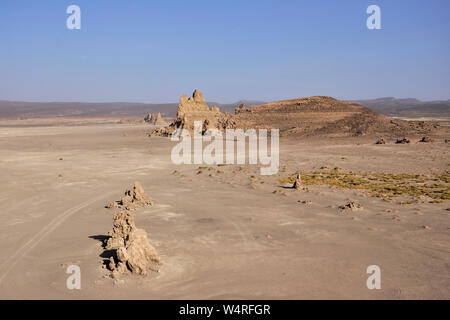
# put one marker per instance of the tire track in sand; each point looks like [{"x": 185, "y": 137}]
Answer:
[{"x": 38, "y": 237}]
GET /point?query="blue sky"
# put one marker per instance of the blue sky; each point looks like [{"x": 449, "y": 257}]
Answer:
[{"x": 154, "y": 51}]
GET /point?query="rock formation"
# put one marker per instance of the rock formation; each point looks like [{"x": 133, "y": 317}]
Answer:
[
  {"x": 352, "y": 206},
  {"x": 402, "y": 141},
  {"x": 298, "y": 182},
  {"x": 149, "y": 118},
  {"x": 241, "y": 108},
  {"x": 122, "y": 226},
  {"x": 133, "y": 199},
  {"x": 193, "y": 109},
  {"x": 158, "y": 120},
  {"x": 131, "y": 249},
  {"x": 426, "y": 139}
]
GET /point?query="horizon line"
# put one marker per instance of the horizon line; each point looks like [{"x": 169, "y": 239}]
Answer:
[{"x": 221, "y": 103}]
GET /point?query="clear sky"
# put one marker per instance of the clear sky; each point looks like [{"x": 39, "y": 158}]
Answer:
[{"x": 154, "y": 50}]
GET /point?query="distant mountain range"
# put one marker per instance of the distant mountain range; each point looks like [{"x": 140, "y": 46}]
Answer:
[
  {"x": 29, "y": 110},
  {"x": 408, "y": 107}
]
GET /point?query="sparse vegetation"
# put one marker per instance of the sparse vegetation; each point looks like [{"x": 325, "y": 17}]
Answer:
[{"x": 382, "y": 185}]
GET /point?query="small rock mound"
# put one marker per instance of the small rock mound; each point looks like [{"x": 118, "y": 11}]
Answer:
[
  {"x": 161, "y": 132},
  {"x": 133, "y": 199},
  {"x": 426, "y": 139},
  {"x": 402, "y": 141},
  {"x": 352, "y": 206},
  {"x": 298, "y": 182},
  {"x": 132, "y": 253},
  {"x": 241, "y": 108}
]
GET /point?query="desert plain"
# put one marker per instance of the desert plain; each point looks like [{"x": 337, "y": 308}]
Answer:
[{"x": 222, "y": 231}]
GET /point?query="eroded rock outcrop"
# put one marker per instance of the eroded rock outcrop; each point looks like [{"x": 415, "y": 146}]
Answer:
[
  {"x": 149, "y": 118},
  {"x": 241, "y": 108},
  {"x": 130, "y": 248},
  {"x": 122, "y": 226},
  {"x": 159, "y": 120},
  {"x": 194, "y": 109},
  {"x": 298, "y": 182},
  {"x": 133, "y": 199},
  {"x": 155, "y": 120}
]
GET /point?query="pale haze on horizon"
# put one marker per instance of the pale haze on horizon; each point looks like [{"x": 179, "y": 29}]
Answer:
[{"x": 153, "y": 52}]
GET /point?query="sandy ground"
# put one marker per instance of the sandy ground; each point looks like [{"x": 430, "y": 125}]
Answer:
[{"x": 220, "y": 236}]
